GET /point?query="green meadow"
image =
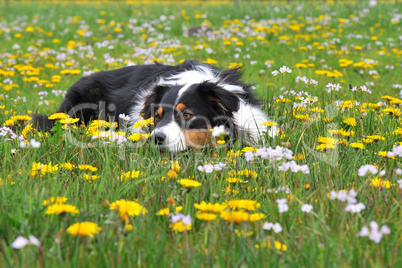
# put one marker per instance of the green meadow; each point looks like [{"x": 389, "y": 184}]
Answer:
[{"x": 324, "y": 192}]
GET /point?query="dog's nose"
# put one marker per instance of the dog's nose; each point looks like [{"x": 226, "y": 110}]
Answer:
[{"x": 159, "y": 138}]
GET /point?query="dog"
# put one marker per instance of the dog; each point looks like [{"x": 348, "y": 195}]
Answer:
[{"x": 187, "y": 101}]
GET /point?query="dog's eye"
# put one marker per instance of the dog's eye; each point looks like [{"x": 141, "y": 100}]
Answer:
[
  {"x": 187, "y": 115},
  {"x": 157, "y": 117}
]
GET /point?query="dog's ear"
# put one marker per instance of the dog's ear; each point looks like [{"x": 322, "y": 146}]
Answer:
[
  {"x": 152, "y": 101},
  {"x": 227, "y": 101}
]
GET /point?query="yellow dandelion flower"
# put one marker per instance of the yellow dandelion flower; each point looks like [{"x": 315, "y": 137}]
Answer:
[
  {"x": 99, "y": 123},
  {"x": 163, "y": 211},
  {"x": 211, "y": 208},
  {"x": 58, "y": 116},
  {"x": 87, "y": 167},
  {"x": 84, "y": 229},
  {"x": 233, "y": 180},
  {"x": 90, "y": 178},
  {"x": 393, "y": 111},
  {"x": 234, "y": 65},
  {"x": 241, "y": 216},
  {"x": 357, "y": 145},
  {"x": 70, "y": 71},
  {"x": 325, "y": 146},
  {"x": 398, "y": 131},
  {"x": 302, "y": 117},
  {"x": 172, "y": 174},
  {"x": 145, "y": 136},
  {"x": 235, "y": 216},
  {"x": 130, "y": 175},
  {"x": 134, "y": 137},
  {"x": 205, "y": 216},
  {"x": 327, "y": 119},
  {"x": 392, "y": 100},
  {"x": 298, "y": 157},
  {"x": 43, "y": 169},
  {"x": 396, "y": 101},
  {"x": 127, "y": 208},
  {"x": 144, "y": 123},
  {"x": 179, "y": 208},
  {"x": 21, "y": 118},
  {"x": 230, "y": 191},
  {"x": 245, "y": 172},
  {"x": 270, "y": 123},
  {"x": 128, "y": 227},
  {"x": 138, "y": 136},
  {"x": 382, "y": 153},
  {"x": 368, "y": 141},
  {"x": 278, "y": 245},
  {"x": 189, "y": 183},
  {"x": 376, "y": 137},
  {"x": 52, "y": 200},
  {"x": 28, "y": 128},
  {"x": 256, "y": 217},
  {"x": 300, "y": 65},
  {"x": 387, "y": 98},
  {"x": 244, "y": 204},
  {"x": 341, "y": 132},
  {"x": 68, "y": 121},
  {"x": 176, "y": 166},
  {"x": 284, "y": 100},
  {"x": 351, "y": 121},
  {"x": 242, "y": 233},
  {"x": 67, "y": 166},
  {"x": 342, "y": 142},
  {"x": 232, "y": 154},
  {"x": 9, "y": 123},
  {"x": 61, "y": 208},
  {"x": 247, "y": 149},
  {"x": 327, "y": 140},
  {"x": 347, "y": 104},
  {"x": 179, "y": 226},
  {"x": 211, "y": 61},
  {"x": 379, "y": 183}
]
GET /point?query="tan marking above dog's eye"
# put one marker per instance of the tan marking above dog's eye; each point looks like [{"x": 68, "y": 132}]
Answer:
[
  {"x": 180, "y": 107},
  {"x": 160, "y": 111}
]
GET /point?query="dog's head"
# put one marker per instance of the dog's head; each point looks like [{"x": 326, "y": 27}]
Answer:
[{"x": 185, "y": 114}]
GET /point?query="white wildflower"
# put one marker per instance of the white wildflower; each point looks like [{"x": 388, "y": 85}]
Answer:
[
  {"x": 306, "y": 208},
  {"x": 282, "y": 205},
  {"x": 355, "y": 208},
  {"x": 21, "y": 242},
  {"x": 124, "y": 117},
  {"x": 219, "y": 130},
  {"x": 285, "y": 69},
  {"x": 277, "y": 228},
  {"x": 34, "y": 143},
  {"x": 267, "y": 226},
  {"x": 374, "y": 232},
  {"x": 209, "y": 168},
  {"x": 367, "y": 168}
]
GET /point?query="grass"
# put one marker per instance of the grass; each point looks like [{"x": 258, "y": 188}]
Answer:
[{"x": 40, "y": 41}]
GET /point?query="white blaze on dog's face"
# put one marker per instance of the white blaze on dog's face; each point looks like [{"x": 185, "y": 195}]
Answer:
[
  {"x": 184, "y": 115},
  {"x": 170, "y": 137},
  {"x": 168, "y": 133}
]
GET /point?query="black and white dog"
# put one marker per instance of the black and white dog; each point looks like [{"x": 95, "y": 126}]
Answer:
[{"x": 186, "y": 101}]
